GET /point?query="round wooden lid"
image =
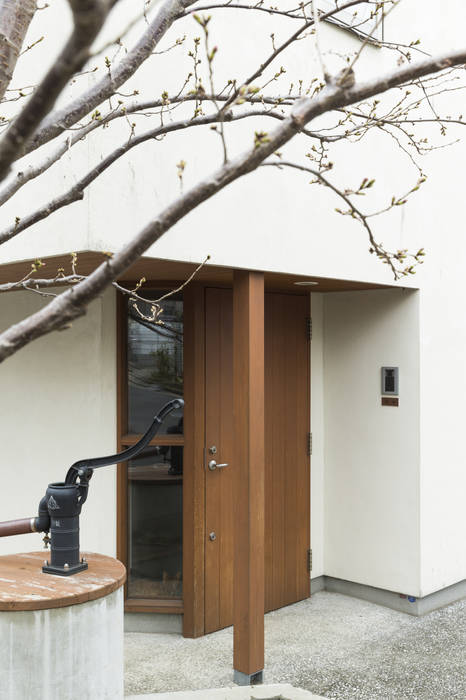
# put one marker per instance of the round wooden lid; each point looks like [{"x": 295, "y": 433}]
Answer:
[{"x": 23, "y": 585}]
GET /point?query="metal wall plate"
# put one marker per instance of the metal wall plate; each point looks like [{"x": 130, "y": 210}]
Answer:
[{"x": 390, "y": 381}]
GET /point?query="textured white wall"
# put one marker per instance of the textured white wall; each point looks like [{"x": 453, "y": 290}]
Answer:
[
  {"x": 371, "y": 451},
  {"x": 269, "y": 220},
  {"x": 58, "y": 405},
  {"x": 443, "y": 391},
  {"x": 67, "y": 230},
  {"x": 438, "y": 218}
]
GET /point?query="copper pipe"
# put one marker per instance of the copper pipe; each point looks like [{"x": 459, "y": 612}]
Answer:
[{"x": 17, "y": 527}]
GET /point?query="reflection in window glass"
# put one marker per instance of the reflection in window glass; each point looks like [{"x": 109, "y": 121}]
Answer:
[
  {"x": 155, "y": 505},
  {"x": 155, "y": 364}
]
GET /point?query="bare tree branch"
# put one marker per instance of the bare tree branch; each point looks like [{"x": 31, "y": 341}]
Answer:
[
  {"x": 24, "y": 175},
  {"x": 36, "y": 284},
  {"x": 88, "y": 17},
  {"x": 259, "y": 71},
  {"x": 333, "y": 17},
  {"x": 72, "y": 303},
  {"x": 367, "y": 121},
  {"x": 33, "y": 284},
  {"x": 76, "y": 192},
  {"x": 295, "y": 13},
  {"x": 396, "y": 260},
  {"x": 132, "y": 23},
  {"x": 56, "y": 122},
  {"x": 15, "y": 18}
]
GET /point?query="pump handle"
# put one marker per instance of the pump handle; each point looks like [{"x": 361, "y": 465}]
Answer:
[
  {"x": 83, "y": 470},
  {"x": 94, "y": 463}
]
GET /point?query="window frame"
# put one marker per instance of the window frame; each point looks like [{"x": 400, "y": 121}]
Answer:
[
  {"x": 344, "y": 20},
  {"x": 124, "y": 440}
]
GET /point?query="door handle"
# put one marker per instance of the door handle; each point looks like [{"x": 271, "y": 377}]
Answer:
[{"x": 213, "y": 465}]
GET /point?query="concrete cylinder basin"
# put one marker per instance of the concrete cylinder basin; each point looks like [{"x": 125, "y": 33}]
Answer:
[{"x": 61, "y": 637}]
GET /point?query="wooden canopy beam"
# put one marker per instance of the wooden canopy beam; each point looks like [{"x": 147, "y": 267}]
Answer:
[{"x": 248, "y": 410}]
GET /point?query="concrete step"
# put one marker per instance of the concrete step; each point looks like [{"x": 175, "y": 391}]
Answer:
[{"x": 278, "y": 691}]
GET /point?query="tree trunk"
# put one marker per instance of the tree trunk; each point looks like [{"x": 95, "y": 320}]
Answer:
[{"x": 15, "y": 18}]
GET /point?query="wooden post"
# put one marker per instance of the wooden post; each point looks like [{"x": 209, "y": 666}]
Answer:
[{"x": 248, "y": 409}]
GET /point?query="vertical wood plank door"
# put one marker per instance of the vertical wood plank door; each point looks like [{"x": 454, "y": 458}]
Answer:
[
  {"x": 287, "y": 464},
  {"x": 287, "y": 469}
]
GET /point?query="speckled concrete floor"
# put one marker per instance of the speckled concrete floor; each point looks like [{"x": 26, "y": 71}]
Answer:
[{"x": 331, "y": 645}]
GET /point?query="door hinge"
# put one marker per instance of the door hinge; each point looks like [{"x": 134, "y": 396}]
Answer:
[
  {"x": 309, "y": 328},
  {"x": 309, "y": 444},
  {"x": 309, "y": 560}
]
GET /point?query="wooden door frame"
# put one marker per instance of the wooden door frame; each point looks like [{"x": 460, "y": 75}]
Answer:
[
  {"x": 194, "y": 477},
  {"x": 122, "y": 422},
  {"x": 192, "y": 605}
]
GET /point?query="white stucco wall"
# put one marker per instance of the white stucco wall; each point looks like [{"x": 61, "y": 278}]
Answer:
[
  {"x": 67, "y": 230},
  {"x": 58, "y": 405},
  {"x": 236, "y": 227},
  {"x": 443, "y": 391},
  {"x": 388, "y": 484},
  {"x": 372, "y": 510}
]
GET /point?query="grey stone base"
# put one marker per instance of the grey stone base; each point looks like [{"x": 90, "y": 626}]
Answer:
[
  {"x": 153, "y": 622},
  {"x": 317, "y": 584},
  {"x": 278, "y": 690},
  {"x": 396, "y": 601},
  {"x": 241, "y": 678},
  {"x": 156, "y": 622}
]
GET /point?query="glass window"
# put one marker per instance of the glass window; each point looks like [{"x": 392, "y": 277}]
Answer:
[
  {"x": 366, "y": 19},
  {"x": 155, "y": 510},
  {"x": 155, "y": 362}
]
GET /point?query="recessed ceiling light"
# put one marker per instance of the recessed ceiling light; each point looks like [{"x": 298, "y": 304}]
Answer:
[{"x": 305, "y": 283}]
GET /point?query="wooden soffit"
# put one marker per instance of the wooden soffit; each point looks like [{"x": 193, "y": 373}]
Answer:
[{"x": 167, "y": 273}]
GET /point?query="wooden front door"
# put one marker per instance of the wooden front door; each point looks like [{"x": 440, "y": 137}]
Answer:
[
  {"x": 219, "y": 521},
  {"x": 287, "y": 476}
]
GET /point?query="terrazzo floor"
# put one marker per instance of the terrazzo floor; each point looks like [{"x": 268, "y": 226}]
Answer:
[{"x": 331, "y": 645}]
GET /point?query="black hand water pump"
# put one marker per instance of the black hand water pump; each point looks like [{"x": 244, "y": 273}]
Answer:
[{"x": 60, "y": 508}]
